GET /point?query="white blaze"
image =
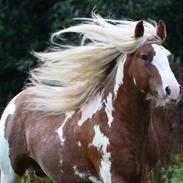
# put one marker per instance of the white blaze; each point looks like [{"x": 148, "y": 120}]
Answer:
[{"x": 160, "y": 61}]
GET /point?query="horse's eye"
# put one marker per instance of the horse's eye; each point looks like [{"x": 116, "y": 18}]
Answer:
[{"x": 144, "y": 57}]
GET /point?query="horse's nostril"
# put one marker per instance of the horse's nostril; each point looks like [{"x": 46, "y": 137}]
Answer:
[
  {"x": 180, "y": 89},
  {"x": 168, "y": 91}
]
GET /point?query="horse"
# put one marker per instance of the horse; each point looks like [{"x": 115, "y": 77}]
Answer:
[{"x": 85, "y": 114}]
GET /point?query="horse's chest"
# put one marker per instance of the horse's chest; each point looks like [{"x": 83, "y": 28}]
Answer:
[{"x": 97, "y": 150}]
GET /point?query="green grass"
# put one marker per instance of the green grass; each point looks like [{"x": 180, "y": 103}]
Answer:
[
  {"x": 29, "y": 177},
  {"x": 169, "y": 173},
  {"x": 173, "y": 173}
]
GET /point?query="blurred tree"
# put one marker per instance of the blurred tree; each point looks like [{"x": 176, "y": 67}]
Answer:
[{"x": 23, "y": 26}]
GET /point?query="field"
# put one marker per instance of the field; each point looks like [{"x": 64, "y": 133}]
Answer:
[{"x": 29, "y": 177}]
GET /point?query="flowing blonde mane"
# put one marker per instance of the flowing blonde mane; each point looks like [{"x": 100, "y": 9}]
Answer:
[{"x": 69, "y": 76}]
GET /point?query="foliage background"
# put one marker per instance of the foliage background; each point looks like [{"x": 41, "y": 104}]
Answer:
[{"x": 26, "y": 25}]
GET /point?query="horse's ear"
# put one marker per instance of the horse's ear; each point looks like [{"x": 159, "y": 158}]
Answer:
[
  {"x": 161, "y": 30},
  {"x": 139, "y": 29}
]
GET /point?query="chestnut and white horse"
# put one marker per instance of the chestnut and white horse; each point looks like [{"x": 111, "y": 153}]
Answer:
[{"x": 85, "y": 115}]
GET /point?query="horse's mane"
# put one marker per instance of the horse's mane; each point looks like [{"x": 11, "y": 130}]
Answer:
[{"x": 69, "y": 76}]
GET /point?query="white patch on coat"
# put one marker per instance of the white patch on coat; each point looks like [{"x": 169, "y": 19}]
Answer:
[
  {"x": 85, "y": 175},
  {"x": 160, "y": 61},
  {"x": 134, "y": 82},
  {"x": 60, "y": 131},
  {"x": 79, "y": 143},
  {"x": 101, "y": 142},
  {"x": 7, "y": 172},
  {"x": 82, "y": 175},
  {"x": 119, "y": 76},
  {"x": 89, "y": 109},
  {"x": 109, "y": 109},
  {"x": 61, "y": 162},
  {"x": 94, "y": 179}
]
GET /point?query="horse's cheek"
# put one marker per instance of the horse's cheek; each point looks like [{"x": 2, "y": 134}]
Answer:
[{"x": 141, "y": 78}]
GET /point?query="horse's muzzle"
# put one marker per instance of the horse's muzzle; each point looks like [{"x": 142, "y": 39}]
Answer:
[
  {"x": 173, "y": 95},
  {"x": 173, "y": 92}
]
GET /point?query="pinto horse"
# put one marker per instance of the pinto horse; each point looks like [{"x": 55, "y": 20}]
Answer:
[{"x": 85, "y": 115}]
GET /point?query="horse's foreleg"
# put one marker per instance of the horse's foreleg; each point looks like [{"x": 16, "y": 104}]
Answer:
[
  {"x": 7, "y": 177},
  {"x": 7, "y": 174}
]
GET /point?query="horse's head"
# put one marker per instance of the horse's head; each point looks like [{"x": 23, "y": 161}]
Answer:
[{"x": 150, "y": 68}]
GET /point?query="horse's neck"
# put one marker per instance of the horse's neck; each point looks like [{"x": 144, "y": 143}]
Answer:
[{"x": 133, "y": 108}]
